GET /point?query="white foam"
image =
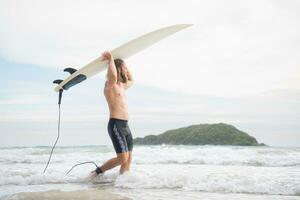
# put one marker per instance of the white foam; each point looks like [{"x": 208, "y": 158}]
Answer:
[
  {"x": 218, "y": 155},
  {"x": 209, "y": 178},
  {"x": 254, "y": 170}
]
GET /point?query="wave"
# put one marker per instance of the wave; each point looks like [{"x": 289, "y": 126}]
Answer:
[
  {"x": 214, "y": 179},
  {"x": 218, "y": 155},
  {"x": 224, "y": 179},
  {"x": 254, "y": 170},
  {"x": 197, "y": 155}
]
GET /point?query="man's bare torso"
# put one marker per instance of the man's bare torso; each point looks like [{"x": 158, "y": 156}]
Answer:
[{"x": 117, "y": 100}]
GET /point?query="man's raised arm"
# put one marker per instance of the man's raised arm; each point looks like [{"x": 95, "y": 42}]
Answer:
[
  {"x": 129, "y": 79},
  {"x": 112, "y": 75}
]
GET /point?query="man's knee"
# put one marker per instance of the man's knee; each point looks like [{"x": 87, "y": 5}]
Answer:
[{"x": 122, "y": 158}]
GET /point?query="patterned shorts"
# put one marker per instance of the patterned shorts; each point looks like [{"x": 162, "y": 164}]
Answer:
[{"x": 120, "y": 135}]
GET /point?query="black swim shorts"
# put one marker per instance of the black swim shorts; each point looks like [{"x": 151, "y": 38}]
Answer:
[{"x": 120, "y": 135}]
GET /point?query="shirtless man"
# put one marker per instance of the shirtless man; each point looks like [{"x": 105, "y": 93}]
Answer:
[{"x": 119, "y": 79}]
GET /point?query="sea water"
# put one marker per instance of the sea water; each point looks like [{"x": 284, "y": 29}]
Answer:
[{"x": 157, "y": 172}]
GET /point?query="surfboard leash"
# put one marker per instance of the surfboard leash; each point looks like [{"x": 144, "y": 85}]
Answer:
[
  {"x": 58, "y": 135},
  {"x": 58, "y": 129},
  {"x": 82, "y": 164},
  {"x": 58, "y": 81}
]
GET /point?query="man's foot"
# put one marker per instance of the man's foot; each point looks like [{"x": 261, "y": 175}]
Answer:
[
  {"x": 96, "y": 172},
  {"x": 93, "y": 174}
]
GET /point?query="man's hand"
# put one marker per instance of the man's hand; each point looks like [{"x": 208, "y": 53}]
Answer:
[{"x": 106, "y": 55}]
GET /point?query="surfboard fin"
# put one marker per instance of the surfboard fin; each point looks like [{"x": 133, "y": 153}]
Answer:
[
  {"x": 57, "y": 81},
  {"x": 77, "y": 79},
  {"x": 70, "y": 70}
]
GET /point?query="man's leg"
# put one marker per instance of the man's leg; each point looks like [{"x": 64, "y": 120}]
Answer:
[
  {"x": 129, "y": 160},
  {"x": 119, "y": 160},
  {"x": 126, "y": 166}
]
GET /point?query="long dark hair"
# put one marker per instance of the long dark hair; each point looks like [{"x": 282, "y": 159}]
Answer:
[{"x": 119, "y": 63}]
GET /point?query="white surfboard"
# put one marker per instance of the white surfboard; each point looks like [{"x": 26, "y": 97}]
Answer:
[{"x": 124, "y": 51}]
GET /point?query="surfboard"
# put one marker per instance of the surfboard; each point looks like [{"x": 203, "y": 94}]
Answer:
[{"x": 124, "y": 51}]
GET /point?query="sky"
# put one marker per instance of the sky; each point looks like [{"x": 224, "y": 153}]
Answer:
[{"x": 238, "y": 64}]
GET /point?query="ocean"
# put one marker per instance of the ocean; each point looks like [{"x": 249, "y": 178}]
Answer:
[{"x": 157, "y": 172}]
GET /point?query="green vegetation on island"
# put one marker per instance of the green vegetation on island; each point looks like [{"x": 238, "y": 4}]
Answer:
[{"x": 202, "y": 134}]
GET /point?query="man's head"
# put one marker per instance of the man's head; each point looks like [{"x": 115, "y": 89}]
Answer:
[{"x": 121, "y": 70}]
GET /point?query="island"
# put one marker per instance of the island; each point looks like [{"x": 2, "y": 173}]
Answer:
[{"x": 202, "y": 134}]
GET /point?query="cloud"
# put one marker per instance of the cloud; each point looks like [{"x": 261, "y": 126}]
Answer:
[{"x": 22, "y": 100}]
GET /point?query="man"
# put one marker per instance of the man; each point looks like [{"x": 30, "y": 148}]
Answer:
[{"x": 119, "y": 79}]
